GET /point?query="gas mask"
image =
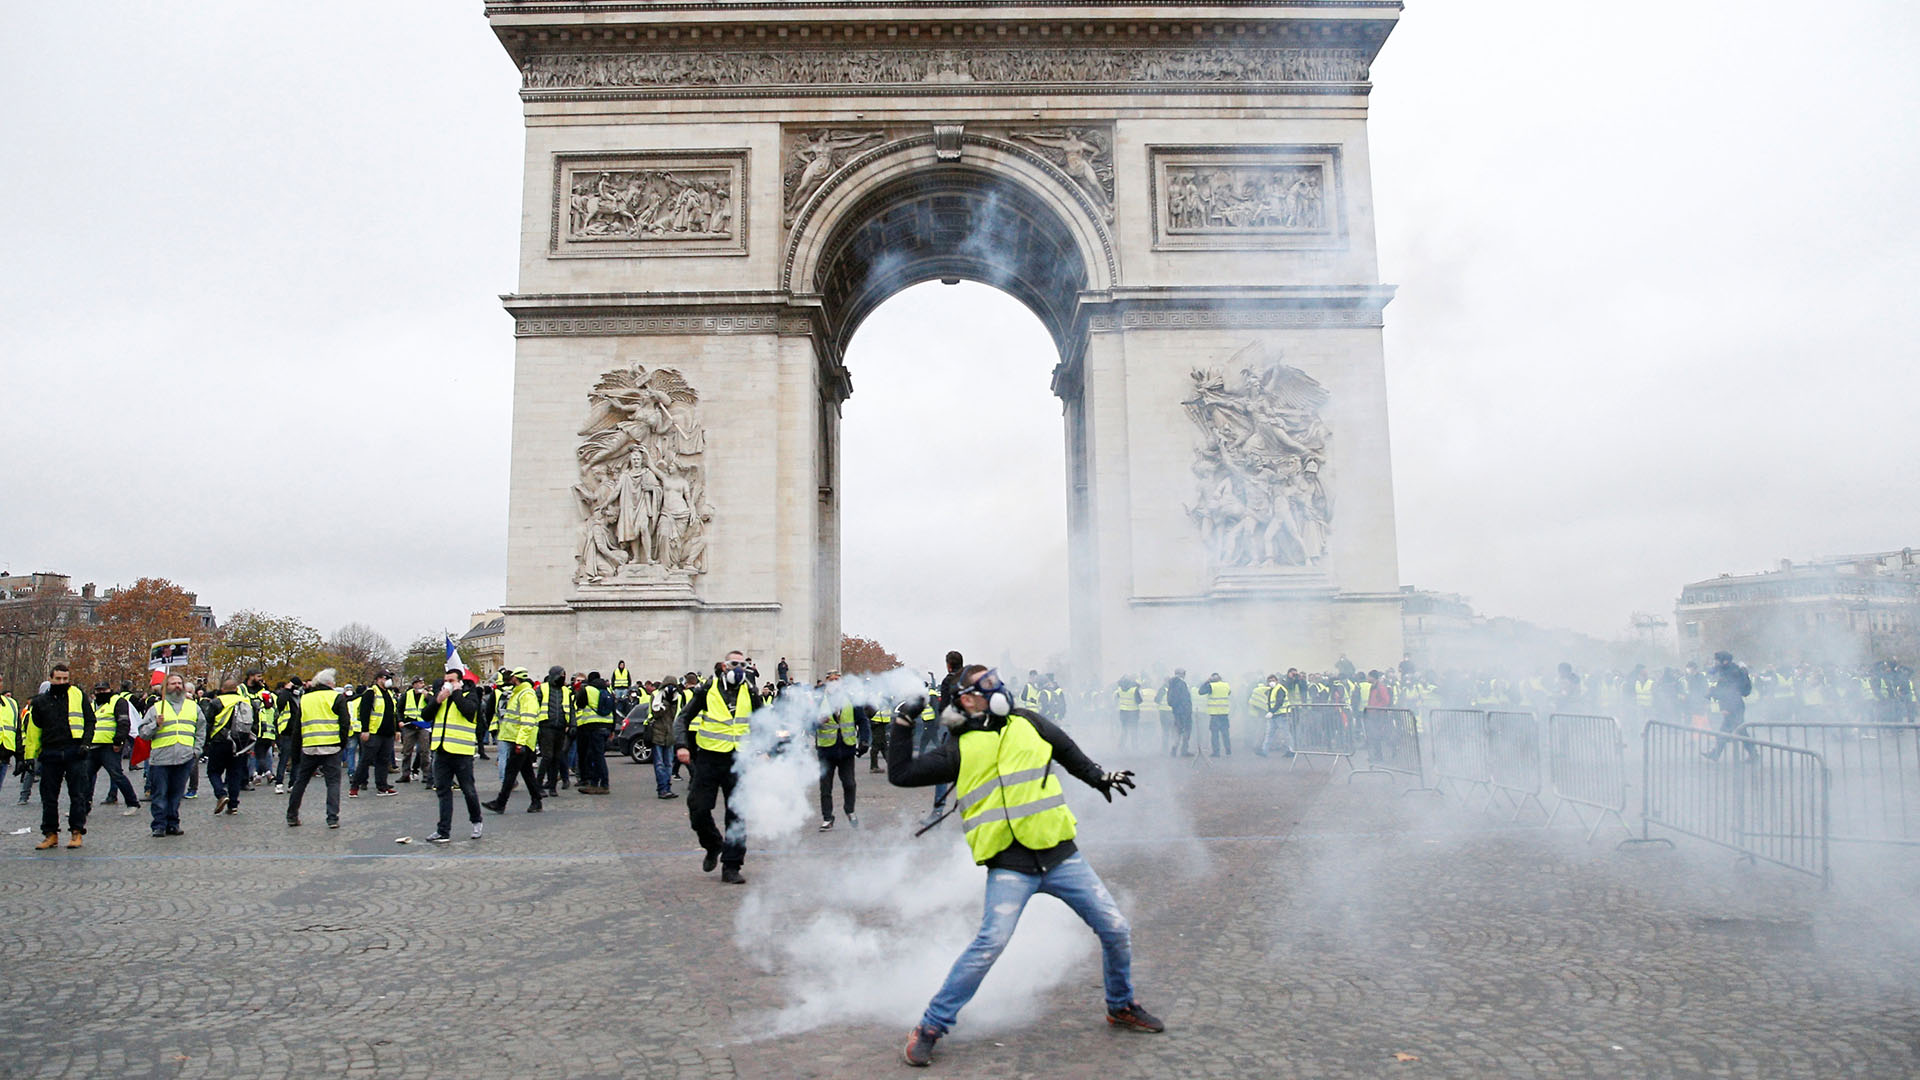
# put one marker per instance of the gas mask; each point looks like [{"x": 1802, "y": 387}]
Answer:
[{"x": 733, "y": 673}]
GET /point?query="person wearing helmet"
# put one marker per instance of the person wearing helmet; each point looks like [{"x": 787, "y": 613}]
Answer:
[{"x": 1001, "y": 763}]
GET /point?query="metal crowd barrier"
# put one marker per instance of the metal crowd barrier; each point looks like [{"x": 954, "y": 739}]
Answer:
[
  {"x": 1765, "y": 800},
  {"x": 1873, "y": 773},
  {"x": 1322, "y": 731},
  {"x": 1587, "y": 767},
  {"x": 1393, "y": 746},
  {"x": 1461, "y": 750},
  {"x": 1513, "y": 760}
]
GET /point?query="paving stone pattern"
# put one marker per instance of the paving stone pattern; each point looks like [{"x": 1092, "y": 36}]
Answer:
[{"x": 1285, "y": 925}]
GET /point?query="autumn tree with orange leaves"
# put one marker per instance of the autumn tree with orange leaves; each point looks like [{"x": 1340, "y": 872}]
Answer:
[
  {"x": 114, "y": 646},
  {"x": 865, "y": 656}
]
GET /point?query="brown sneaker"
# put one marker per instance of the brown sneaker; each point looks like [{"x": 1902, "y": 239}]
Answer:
[
  {"x": 1136, "y": 1017},
  {"x": 52, "y": 841},
  {"x": 75, "y": 842},
  {"x": 219, "y": 807}
]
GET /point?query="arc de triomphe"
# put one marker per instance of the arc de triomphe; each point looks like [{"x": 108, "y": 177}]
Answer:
[{"x": 718, "y": 193}]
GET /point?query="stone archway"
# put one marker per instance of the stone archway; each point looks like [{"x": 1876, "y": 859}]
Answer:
[{"x": 716, "y": 198}]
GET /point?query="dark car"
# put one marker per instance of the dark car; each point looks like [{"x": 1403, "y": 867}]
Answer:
[{"x": 630, "y": 734}]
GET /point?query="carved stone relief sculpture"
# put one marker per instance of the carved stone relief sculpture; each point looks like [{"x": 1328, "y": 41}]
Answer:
[
  {"x": 1160, "y": 67},
  {"x": 1084, "y": 154},
  {"x": 1246, "y": 196},
  {"x": 642, "y": 494},
  {"x": 649, "y": 202},
  {"x": 812, "y": 156},
  {"x": 1261, "y": 463}
]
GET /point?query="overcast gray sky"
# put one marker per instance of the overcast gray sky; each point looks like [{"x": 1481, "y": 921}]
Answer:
[{"x": 1656, "y": 319}]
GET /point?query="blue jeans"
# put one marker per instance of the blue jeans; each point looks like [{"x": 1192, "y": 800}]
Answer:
[
  {"x": 662, "y": 769},
  {"x": 1008, "y": 891},
  {"x": 169, "y": 783}
]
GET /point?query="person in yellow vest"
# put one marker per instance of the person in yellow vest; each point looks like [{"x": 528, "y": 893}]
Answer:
[
  {"x": 10, "y": 750},
  {"x": 1218, "y": 696},
  {"x": 112, "y": 731},
  {"x": 323, "y": 725},
  {"x": 453, "y": 719},
  {"x": 840, "y": 737},
  {"x": 715, "y": 719},
  {"x": 63, "y": 718},
  {"x": 519, "y": 717},
  {"x": 1269, "y": 699},
  {"x": 376, "y": 722},
  {"x": 554, "y": 722},
  {"x": 416, "y": 733},
  {"x": 1126, "y": 697},
  {"x": 620, "y": 683},
  {"x": 175, "y": 728},
  {"x": 1000, "y": 762},
  {"x": 265, "y": 729},
  {"x": 593, "y": 711},
  {"x": 229, "y": 746}
]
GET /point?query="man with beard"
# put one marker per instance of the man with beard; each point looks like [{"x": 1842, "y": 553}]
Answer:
[{"x": 176, "y": 730}]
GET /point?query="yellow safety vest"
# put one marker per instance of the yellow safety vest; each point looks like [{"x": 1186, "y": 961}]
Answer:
[
  {"x": 1128, "y": 697},
  {"x": 453, "y": 730},
  {"x": 838, "y": 728},
  {"x": 1006, "y": 792},
  {"x": 105, "y": 726},
  {"x": 375, "y": 714},
  {"x": 266, "y": 723},
  {"x": 519, "y": 716},
  {"x": 622, "y": 678},
  {"x": 228, "y": 702},
  {"x": 318, "y": 724},
  {"x": 566, "y": 705},
  {"x": 176, "y": 728},
  {"x": 9, "y": 724},
  {"x": 592, "y": 713},
  {"x": 412, "y": 705},
  {"x": 719, "y": 728},
  {"x": 1219, "y": 698},
  {"x": 77, "y": 713}
]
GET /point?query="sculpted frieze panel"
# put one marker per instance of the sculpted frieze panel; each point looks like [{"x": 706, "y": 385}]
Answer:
[
  {"x": 1156, "y": 67},
  {"x": 642, "y": 494},
  {"x": 649, "y": 203},
  {"x": 1246, "y": 196},
  {"x": 1261, "y": 463}
]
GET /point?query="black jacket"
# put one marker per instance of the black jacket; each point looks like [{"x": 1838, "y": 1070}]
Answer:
[
  {"x": 941, "y": 765},
  {"x": 696, "y": 700},
  {"x": 48, "y": 712},
  {"x": 1179, "y": 701},
  {"x": 467, "y": 698}
]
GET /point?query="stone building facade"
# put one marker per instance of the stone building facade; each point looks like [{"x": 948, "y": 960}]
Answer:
[
  {"x": 1847, "y": 609},
  {"x": 717, "y": 195}
]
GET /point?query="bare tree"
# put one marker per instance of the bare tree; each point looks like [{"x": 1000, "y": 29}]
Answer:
[{"x": 362, "y": 651}]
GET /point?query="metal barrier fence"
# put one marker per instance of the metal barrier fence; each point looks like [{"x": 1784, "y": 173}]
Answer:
[
  {"x": 1873, "y": 776},
  {"x": 1513, "y": 761},
  {"x": 1461, "y": 750},
  {"x": 1322, "y": 731},
  {"x": 1765, "y": 800},
  {"x": 1393, "y": 745},
  {"x": 1587, "y": 768}
]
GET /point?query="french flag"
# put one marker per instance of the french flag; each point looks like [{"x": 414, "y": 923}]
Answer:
[{"x": 455, "y": 663}]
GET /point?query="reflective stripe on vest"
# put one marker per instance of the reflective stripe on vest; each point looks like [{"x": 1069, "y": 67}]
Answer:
[
  {"x": 176, "y": 728},
  {"x": 9, "y": 724},
  {"x": 318, "y": 724},
  {"x": 718, "y": 728},
  {"x": 453, "y": 730},
  {"x": 1219, "y": 698},
  {"x": 622, "y": 678},
  {"x": 105, "y": 727},
  {"x": 837, "y": 729},
  {"x": 76, "y": 713},
  {"x": 519, "y": 716},
  {"x": 377, "y": 712},
  {"x": 1129, "y": 698},
  {"x": 413, "y": 705},
  {"x": 1006, "y": 792},
  {"x": 566, "y": 705}
]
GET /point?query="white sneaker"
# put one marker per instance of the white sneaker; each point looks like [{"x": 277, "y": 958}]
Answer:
[
  {"x": 476, "y": 831},
  {"x": 279, "y": 789},
  {"x": 826, "y": 824},
  {"x": 436, "y": 838}
]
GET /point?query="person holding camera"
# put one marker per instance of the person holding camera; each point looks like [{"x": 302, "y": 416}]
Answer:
[
  {"x": 715, "y": 718},
  {"x": 1000, "y": 762}
]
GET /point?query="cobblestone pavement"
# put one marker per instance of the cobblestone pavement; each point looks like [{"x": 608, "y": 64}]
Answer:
[{"x": 1285, "y": 924}]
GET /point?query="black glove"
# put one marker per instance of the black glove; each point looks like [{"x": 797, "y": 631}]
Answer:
[{"x": 1121, "y": 782}]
